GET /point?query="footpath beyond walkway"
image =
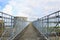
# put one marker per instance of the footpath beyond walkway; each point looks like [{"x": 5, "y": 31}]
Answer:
[{"x": 30, "y": 33}]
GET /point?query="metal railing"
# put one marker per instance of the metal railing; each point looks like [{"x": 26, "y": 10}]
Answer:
[
  {"x": 11, "y": 26},
  {"x": 49, "y": 25},
  {"x": 7, "y": 25}
]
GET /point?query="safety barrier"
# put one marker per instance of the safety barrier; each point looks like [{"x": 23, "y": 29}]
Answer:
[
  {"x": 49, "y": 26},
  {"x": 11, "y": 27}
]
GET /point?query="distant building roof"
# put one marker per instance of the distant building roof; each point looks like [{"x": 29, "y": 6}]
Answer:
[{"x": 21, "y": 18}]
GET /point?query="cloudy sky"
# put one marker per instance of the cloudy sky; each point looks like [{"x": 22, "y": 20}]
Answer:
[{"x": 29, "y": 8}]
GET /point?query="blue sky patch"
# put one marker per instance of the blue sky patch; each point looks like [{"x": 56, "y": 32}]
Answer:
[{"x": 3, "y": 3}]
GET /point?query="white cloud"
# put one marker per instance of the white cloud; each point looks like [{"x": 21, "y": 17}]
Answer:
[
  {"x": 8, "y": 9},
  {"x": 28, "y": 8}
]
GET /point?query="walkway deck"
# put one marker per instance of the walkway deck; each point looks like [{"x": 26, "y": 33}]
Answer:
[{"x": 30, "y": 33}]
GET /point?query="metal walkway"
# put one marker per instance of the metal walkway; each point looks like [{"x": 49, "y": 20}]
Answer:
[
  {"x": 19, "y": 28},
  {"x": 30, "y": 33}
]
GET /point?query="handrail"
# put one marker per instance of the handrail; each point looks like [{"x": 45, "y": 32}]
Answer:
[
  {"x": 51, "y": 14},
  {"x": 14, "y": 35},
  {"x": 6, "y": 14}
]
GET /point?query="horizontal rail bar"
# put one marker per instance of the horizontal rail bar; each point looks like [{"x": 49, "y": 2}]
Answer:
[
  {"x": 6, "y": 14},
  {"x": 51, "y": 14}
]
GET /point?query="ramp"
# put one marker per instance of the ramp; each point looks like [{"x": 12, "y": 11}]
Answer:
[{"x": 30, "y": 33}]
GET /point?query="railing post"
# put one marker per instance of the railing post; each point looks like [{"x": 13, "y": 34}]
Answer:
[{"x": 47, "y": 24}]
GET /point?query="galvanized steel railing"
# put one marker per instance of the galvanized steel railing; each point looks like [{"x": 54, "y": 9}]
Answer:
[
  {"x": 49, "y": 25},
  {"x": 7, "y": 25},
  {"x": 11, "y": 27}
]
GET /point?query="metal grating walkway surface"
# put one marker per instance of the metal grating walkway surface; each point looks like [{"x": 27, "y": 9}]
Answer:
[{"x": 30, "y": 33}]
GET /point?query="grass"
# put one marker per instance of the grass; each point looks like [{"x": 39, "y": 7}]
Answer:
[
  {"x": 51, "y": 29},
  {"x": 56, "y": 29}
]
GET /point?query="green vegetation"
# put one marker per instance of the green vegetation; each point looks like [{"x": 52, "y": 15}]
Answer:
[
  {"x": 55, "y": 29},
  {"x": 51, "y": 29},
  {"x": 0, "y": 28}
]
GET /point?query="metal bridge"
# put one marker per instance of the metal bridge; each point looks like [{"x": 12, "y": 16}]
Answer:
[{"x": 16, "y": 28}]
